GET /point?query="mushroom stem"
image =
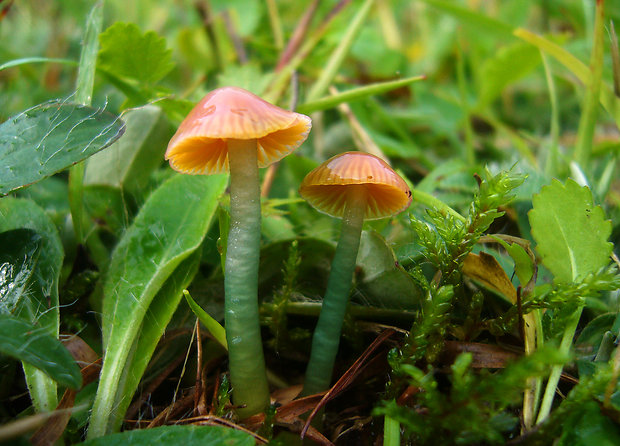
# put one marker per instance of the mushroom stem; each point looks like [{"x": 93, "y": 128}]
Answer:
[
  {"x": 326, "y": 336},
  {"x": 245, "y": 349}
]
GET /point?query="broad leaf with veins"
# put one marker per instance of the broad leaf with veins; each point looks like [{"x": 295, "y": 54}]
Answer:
[{"x": 570, "y": 231}]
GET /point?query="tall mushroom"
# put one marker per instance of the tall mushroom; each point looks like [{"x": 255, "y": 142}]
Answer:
[
  {"x": 353, "y": 186},
  {"x": 231, "y": 129}
]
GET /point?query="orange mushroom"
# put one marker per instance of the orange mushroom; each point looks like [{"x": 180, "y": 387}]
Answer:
[
  {"x": 354, "y": 186},
  {"x": 234, "y": 130}
]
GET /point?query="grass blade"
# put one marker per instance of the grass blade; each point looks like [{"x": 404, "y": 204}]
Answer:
[
  {"x": 214, "y": 327},
  {"x": 589, "y": 111},
  {"x": 610, "y": 102},
  {"x": 356, "y": 94},
  {"x": 335, "y": 61},
  {"x": 83, "y": 95}
]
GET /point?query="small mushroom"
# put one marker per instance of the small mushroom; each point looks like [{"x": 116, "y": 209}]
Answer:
[
  {"x": 353, "y": 186},
  {"x": 234, "y": 130}
]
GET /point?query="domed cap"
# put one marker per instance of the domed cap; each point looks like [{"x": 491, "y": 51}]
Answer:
[
  {"x": 200, "y": 144},
  {"x": 325, "y": 187}
]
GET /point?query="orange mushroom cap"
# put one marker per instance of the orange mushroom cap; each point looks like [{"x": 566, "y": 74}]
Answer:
[
  {"x": 325, "y": 187},
  {"x": 200, "y": 144}
]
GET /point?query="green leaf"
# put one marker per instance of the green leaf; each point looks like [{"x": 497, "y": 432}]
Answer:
[
  {"x": 88, "y": 56},
  {"x": 571, "y": 233},
  {"x": 29, "y": 60},
  {"x": 248, "y": 76},
  {"x": 33, "y": 345},
  {"x": 41, "y": 305},
  {"x": 337, "y": 57},
  {"x": 607, "y": 98},
  {"x": 509, "y": 64},
  {"x": 48, "y": 138},
  {"x": 160, "y": 312},
  {"x": 211, "y": 324},
  {"x": 588, "y": 426},
  {"x": 355, "y": 94},
  {"x": 383, "y": 283},
  {"x": 168, "y": 435},
  {"x": 129, "y": 162},
  {"x": 18, "y": 258},
  {"x": 170, "y": 226},
  {"x": 466, "y": 16},
  {"x": 129, "y": 53}
]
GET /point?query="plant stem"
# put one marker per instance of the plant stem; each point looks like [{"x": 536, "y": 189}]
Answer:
[
  {"x": 556, "y": 371},
  {"x": 245, "y": 349},
  {"x": 391, "y": 431},
  {"x": 326, "y": 336}
]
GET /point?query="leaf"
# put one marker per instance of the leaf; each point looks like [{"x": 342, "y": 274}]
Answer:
[
  {"x": 127, "y": 52},
  {"x": 468, "y": 17},
  {"x": 88, "y": 57},
  {"x": 509, "y": 64},
  {"x": 588, "y": 426},
  {"x": 160, "y": 312},
  {"x": 129, "y": 162},
  {"x": 382, "y": 282},
  {"x": 608, "y": 99},
  {"x": 18, "y": 258},
  {"x": 329, "y": 71},
  {"x": 29, "y": 60},
  {"x": 169, "y": 227},
  {"x": 355, "y": 94},
  {"x": 484, "y": 269},
  {"x": 169, "y": 435},
  {"x": 50, "y": 137},
  {"x": 524, "y": 260},
  {"x": 214, "y": 327},
  {"x": 41, "y": 307},
  {"x": 35, "y": 346},
  {"x": 571, "y": 233},
  {"x": 248, "y": 76}
]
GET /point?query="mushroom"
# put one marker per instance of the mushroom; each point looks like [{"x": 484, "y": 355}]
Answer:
[
  {"x": 231, "y": 129},
  {"x": 353, "y": 186}
]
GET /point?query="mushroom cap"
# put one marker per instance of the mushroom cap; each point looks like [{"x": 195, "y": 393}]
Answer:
[
  {"x": 199, "y": 145},
  {"x": 325, "y": 187}
]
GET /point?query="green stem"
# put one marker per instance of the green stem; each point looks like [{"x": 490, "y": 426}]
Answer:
[
  {"x": 556, "y": 371},
  {"x": 391, "y": 431},
  {"x": 326, "y": 336},
  {"x": 245, "y": 349}
]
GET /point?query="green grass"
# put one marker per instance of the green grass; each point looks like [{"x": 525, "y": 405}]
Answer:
[{"x": 501, "y": 116}]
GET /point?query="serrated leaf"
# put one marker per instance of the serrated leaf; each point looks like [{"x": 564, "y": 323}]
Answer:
[
  {"x": 130, "y": 161},
  {"x": 570, "y": 231},
  {"x": 127, "y": 52},
  {"x": 168, "y": 435},
  {"x": 35, "y": 346},
  {"x": 18, "y": 258},
  {"x": 170, "y": 226},
  {"x": 50, "y": 137}
]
